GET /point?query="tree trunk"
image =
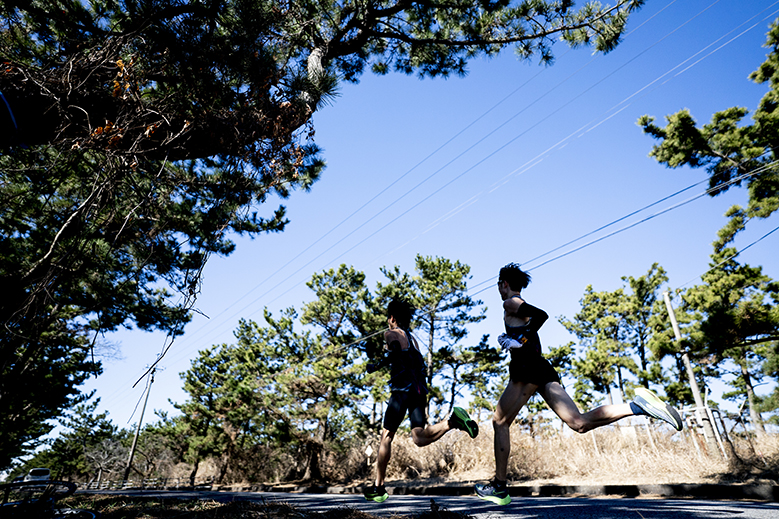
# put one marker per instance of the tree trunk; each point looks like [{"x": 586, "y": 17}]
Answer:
[
  {"x": 225, "y": 463},
  {"x": 609, "y": 397},
  {"x": 313, "y": 467},
  {"x": 222, "y": 471},
  {"x": 754, "y": 416},
  {"x": 734, "y": 459},
  {"x": 452, "y": 393},
  {"x": 194, "y": 473},
  {"x": 682, "y": 370},
  {"x": 430, "y": 351},
  {"x": 430, "y": 338},
  {"x": 642, "y": 380},
  {"x": 315, "y": 448}
]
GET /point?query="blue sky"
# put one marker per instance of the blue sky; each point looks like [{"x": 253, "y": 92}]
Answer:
[{"x": 503, "y": 165}]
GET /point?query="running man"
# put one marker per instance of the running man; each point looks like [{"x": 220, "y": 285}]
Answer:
[
  {"x": 529, "y": 372},
  {"x": 408, "y": 395}
]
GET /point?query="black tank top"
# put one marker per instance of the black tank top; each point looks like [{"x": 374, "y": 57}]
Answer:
[
  {"x": 408, "y": 369},
  {"x": 530, "y": 331}
]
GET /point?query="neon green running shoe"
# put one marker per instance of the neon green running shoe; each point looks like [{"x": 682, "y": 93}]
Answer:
[
  {"x": 651, "y": 404},
  {"x": 494, "y": 492},
  {"x": 376, "y": 493},
  {"x": 460, "y": 420}
]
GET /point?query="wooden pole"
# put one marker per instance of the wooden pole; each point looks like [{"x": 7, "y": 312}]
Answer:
[
  {"x": 702, "y": 418},
  {"x": 138, "y": 429}
]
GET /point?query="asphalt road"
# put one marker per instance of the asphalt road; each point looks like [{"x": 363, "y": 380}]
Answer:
[{"x": 520, "y": 507}]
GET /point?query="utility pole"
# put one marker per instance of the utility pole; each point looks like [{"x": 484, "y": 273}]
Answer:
[
  {"x": 129, "y": 466},
  {"x": 701, "y": 417}
]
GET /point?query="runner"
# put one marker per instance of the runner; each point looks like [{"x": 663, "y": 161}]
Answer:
[
  {"x": 529, "y": 372},
  {"x": 408, "y": 395}
]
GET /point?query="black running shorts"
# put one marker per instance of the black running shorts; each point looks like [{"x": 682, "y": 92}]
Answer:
[
  {"x": 401, "y": 402},
  {"x": 528, "y": 366}
]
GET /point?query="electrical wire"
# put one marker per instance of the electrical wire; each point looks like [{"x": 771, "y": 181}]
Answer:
[
  {"x": 666, "y": 210},
  {"x": 405, "y": 174},
  {"x": 418, "y": 164},
  {"x": 418, "y": 185},
  {"x": 479, "y": 162},
  {"x": 450, "y": 140},
  {"x": 766, "y": 235},
  {"x": 587, "y": 128},
  {"x": 676, "y": 206}
]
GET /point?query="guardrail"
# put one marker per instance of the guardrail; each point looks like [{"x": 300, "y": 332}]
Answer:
[{"x": 205, "y": 483}]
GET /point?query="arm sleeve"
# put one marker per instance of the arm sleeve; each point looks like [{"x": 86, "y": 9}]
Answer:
[{"x": 537, "y": 316}]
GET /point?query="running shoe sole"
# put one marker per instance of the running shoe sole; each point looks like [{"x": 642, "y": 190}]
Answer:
[
  {"x": 461, "y": 420},
  {"x": 656, "y": 408},
  {"x": 487, "y": 492},
  {"x": 375, "y": 493},
  {"x": 377, "y": 498}
]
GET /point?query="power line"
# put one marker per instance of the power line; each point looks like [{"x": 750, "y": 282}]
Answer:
[
  {"x": 766, "y": 235},
  {"x": 671, "y": 208},
  {"x": 376, "y": 196},
  {"x": 770, "y": 15},
  {"x": 491, "y": 154},
  {"x": 675, "y": 206},
  {"x": 538, "y": 99},
  {"x": 364, "y": 205},
  {"x": 450, "y": 140},
  {"x": 418, "y": 164},
  {"x": 588, "y": 234},
  {"x": 584, "y": 129},
  {"x": 354, "y": 213}
]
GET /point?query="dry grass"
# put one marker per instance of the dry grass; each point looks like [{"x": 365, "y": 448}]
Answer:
[
  {"x": 640, "y": 454},
  {"x": 606, "y": 456},
  {"x": 610, "y": 455}
]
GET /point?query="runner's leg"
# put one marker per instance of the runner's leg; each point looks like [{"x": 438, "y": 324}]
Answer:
[
  {"x": 429, "y": 434},
  {"x": 382, "y": 460},
  {"x": 562, "y": 404},
  {"x": 511, "y": 401}
]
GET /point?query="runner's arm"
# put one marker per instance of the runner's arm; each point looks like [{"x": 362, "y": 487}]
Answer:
[
  {"x": 394, "y": 347},
  {"x": 536, "y": 316}
]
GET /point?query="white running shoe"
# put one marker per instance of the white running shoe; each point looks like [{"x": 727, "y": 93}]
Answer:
[{"x": 651, "y": 404}]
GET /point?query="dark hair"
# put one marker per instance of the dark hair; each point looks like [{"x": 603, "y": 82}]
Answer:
[
  {"x": 514, "y": 276},
  {"x": 402, "y": 311}
]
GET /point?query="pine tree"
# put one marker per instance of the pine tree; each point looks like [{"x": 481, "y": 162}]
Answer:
[
  {"x": 600, "y": 327},
  {"x": 71, "y": 455},
  {"x": 200, "y": 426},
  {"x": 643, "y": 312},
  {"x": 734, "y": 153},
  {"x": 484, "y": 375},
  {"x": 737, "y": 304},
  {"x": 342, "y": 311},
  {"x": 137, "y": 135}
]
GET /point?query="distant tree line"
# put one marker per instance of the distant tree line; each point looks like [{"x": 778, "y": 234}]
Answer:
[{"x": 290, "y": 398}]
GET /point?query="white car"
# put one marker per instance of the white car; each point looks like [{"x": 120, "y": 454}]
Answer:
[{"x": 39, "y": 474}]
